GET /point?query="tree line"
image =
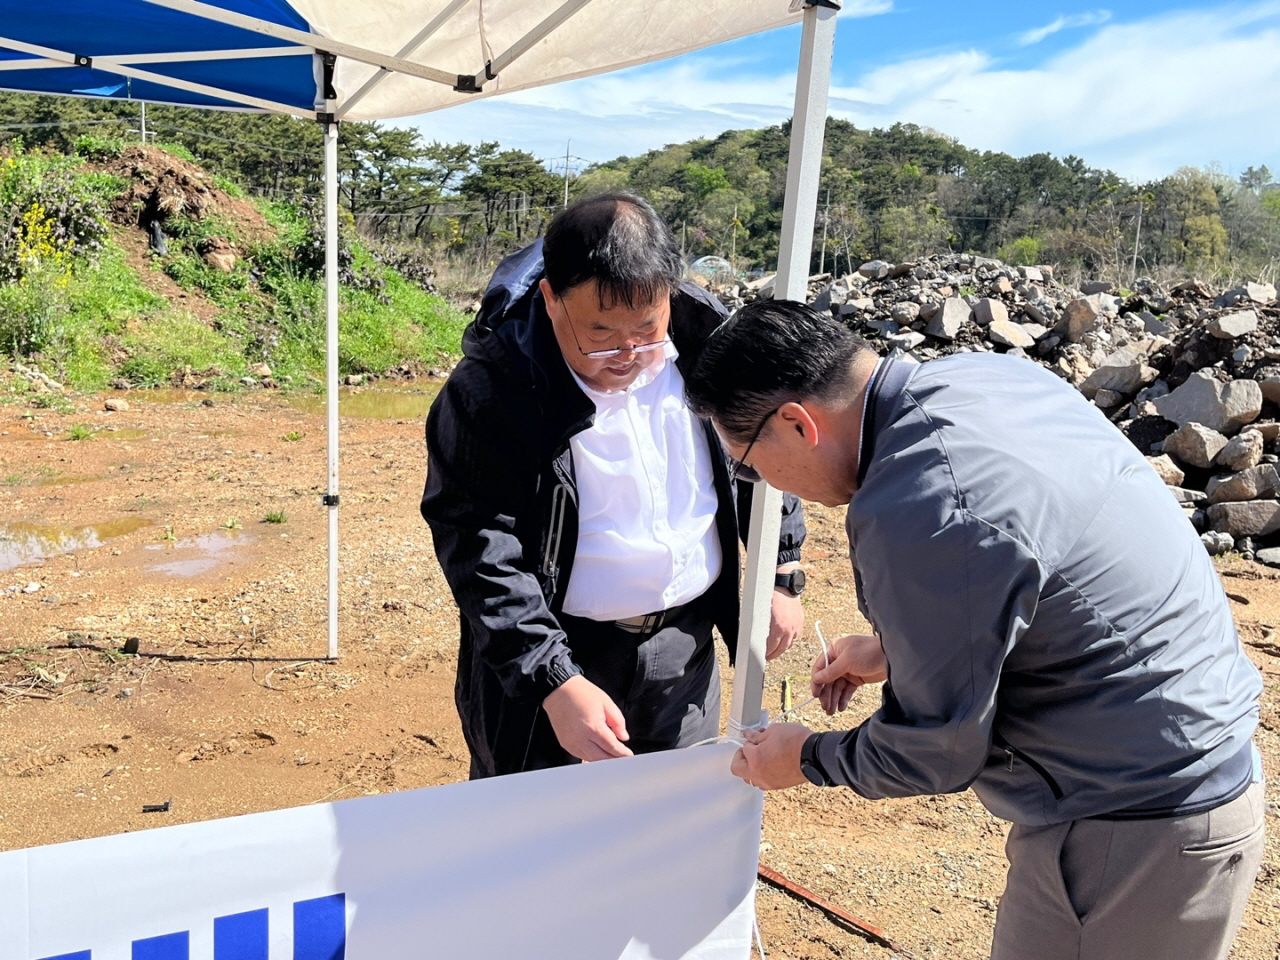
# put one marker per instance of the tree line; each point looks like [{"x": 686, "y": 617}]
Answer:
[{"x": 894, "y": 193}]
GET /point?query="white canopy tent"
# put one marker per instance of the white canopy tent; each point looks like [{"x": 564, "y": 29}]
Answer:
[{"x": 333, "y": 60}]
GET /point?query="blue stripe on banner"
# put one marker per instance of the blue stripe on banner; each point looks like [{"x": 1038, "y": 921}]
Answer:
[
  {"x": 82, "y": 955},
  {"x": 319, "y": 928},
  {"x": 171, "y": 946},
  {"x": 241, "y": 936}
]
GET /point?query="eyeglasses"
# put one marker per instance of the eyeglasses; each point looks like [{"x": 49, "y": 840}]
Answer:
[
  {"x": 616, "y": 351},
  {"x": 740, "y": 470}
]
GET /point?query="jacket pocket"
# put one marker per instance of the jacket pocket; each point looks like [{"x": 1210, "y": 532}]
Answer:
[{"x": 1013, "y": 754}]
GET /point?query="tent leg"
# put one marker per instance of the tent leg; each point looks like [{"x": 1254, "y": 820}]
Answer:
[
  {"x": 331, "y": 366},
  {"x": 804, "y": 166}
]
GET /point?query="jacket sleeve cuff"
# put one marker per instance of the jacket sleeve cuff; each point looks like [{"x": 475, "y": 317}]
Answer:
[
  {"x": 828, "y": 752},
  {"x": 560, "y": 669},
  {"x": 789, "y": 555}
]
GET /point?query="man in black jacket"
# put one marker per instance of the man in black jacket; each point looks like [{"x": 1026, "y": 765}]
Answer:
[{"x": 586, "y": 521}]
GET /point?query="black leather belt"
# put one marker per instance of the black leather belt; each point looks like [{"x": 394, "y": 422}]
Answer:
[{"x": 648, "y": 623}]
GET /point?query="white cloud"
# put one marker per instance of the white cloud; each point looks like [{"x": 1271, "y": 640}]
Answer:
[
  {"x": 866, "y": 8},
  {"x": 1143, "y": 98},
  {"x": 1072, "y": 22}
]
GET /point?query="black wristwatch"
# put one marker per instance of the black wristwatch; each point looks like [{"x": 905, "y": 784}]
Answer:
[
  {"x": 792, "y": 582},
  {"x": 811, "y": 766}
]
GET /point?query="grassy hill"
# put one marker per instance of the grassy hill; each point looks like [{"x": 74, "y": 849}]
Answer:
[{"x": 87, "y": 298}]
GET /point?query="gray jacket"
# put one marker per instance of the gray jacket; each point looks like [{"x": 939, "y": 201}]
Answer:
[{"x": 1057, "y": 637}]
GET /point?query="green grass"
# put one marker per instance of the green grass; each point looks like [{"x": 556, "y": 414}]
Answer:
[
  {"x": 293, "y": 436},
  {"x": 159, "y": 349},
  {"x": 275, "y": 516},
  {"x": 233, "y": 523},
  {"x": 80, "y": 431},
  {"x": 52, "y": 401}
]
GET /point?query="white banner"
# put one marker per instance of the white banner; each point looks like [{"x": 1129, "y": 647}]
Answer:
[{"x": 649, "y": 858}]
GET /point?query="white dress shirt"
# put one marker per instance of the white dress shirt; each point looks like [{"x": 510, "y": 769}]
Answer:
[{"x": 647, "y": 537}]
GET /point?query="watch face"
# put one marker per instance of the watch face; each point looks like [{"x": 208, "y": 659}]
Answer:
[
  {"x": 797, "y": 582},
  {"x": 811, "y": 774}
]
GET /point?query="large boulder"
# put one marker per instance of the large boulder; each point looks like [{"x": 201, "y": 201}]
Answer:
[
  {"x": 875, "y": 269},
  {"x": 1010, "y": 334},
  {"x": 987, "y": 311},
  {"x": 1194, "y": 444},
  {"x": 948, "y": 321},
  {"x": 1229, "y": 326},
  {"x": 1255, "y": 483},
  {"x": 1080, "y": 317},
  {"x": 1123, "y": 371},
  {"x": 1251, "y": 518},
  {"x": 1203, "y": 399},
  {"x": 1167, "y": 470},
  {"x": 1244, "y": 451}
]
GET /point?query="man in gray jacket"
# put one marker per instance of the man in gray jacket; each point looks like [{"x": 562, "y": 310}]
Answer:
[{"x": 1050, "y": 630}]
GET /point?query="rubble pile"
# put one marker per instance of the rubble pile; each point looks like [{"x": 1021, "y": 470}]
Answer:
[{"x": 1190, "y": 374}]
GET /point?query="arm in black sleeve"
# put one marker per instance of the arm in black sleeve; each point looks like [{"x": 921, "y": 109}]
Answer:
[
  {"x": 792, "y": 535},
  {"x": 475, "y": 491}
]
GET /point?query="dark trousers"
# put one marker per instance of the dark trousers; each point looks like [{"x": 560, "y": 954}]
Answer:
[{"x": 667, "y": 685}]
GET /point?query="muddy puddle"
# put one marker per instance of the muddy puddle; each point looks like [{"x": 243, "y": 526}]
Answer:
[
  {"x": 22, "y": 542},
  {"x": 196, "y": 556},
  {"x": 372, "y": 404}
]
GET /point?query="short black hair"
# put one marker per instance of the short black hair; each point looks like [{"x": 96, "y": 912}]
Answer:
[
  {"x": 619, "y": 241},
  {"x": 769, "y": 353}
]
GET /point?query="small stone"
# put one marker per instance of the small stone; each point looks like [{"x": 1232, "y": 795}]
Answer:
[
  {"x": 1001, "y": 285},
  {"x": 947, "y": 322},
  {"x": 906, "y": 340},
  {"x": 905, "y": 313},
  {"x": 31, "y": 587},
  {"x": 1096, "y": 286},
  {"x": 1031, "y": 274},
  {"x": 1229, "y": 326},
  {"x": 1217, "y": 542},
  {"x": 354, "y": 379},
  {"x": 1241, "y": 354},
  {"x": 260, "y": 370},
  {"x": 1271, "y": 557},
  {"x": 207, "y": 402},
  {"x": 1107, "y": 399},
  {"x": 1194, "y": 444},
  {"x": 116, "y": 405},
  {"x": 859, "y": 305},
  {"x": 1167, "y": 470},
  {"x": 249, "y": 381},
  {"x": 1242, "y": 452},
  {"x": 1153, "y": 324},
  {"x": 987, "y": 311},
  {"x": 874, "y": 269},
  {"x": 1123, "y": 371}
]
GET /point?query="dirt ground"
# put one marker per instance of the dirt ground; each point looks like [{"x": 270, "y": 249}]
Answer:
[{"x": 152, "y": 533}]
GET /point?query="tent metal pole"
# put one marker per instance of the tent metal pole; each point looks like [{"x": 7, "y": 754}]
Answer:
[
  {"x": 804, "y": 165},
  {"x": 331, "y": 365}
]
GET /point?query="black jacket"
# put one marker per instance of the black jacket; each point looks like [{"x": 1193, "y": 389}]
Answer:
[{"x": 500, "y": 495}]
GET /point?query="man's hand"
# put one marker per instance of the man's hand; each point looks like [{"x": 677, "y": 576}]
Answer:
[
  {"x": 770, "y": 759},
  {"x": 855, "y": 660},
  {"x": 587, "y": 722},
  {"x": 786, "y": 620}
]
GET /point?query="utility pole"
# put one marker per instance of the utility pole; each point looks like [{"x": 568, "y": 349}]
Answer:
[
  {"x": 826, "y": 215},
  {"x": 1137, "y": 236},
  {"x": 566, "y": 172}
]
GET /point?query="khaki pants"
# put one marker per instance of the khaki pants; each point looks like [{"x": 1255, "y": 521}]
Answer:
[{"x": 1171, "y": 889}]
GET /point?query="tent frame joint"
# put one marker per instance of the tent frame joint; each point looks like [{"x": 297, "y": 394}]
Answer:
[
  {"x": 467, "y": 82},
  {"x": 82, "y": 61},
  {"x": 829, "y": 4},
  {"x": 330, "y": 500},
  {"x": 324, "y": 119}
]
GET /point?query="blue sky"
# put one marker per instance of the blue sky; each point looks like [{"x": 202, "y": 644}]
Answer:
[{"x": 1138, "y": 86}]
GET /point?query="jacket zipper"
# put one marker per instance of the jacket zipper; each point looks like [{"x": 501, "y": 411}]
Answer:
[
  {"x": 1013, "y": 752},
  {"x": 555, "y": 533}
]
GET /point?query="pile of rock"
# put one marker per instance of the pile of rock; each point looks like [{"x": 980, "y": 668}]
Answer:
[{"x": 1190, "y": 374}]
